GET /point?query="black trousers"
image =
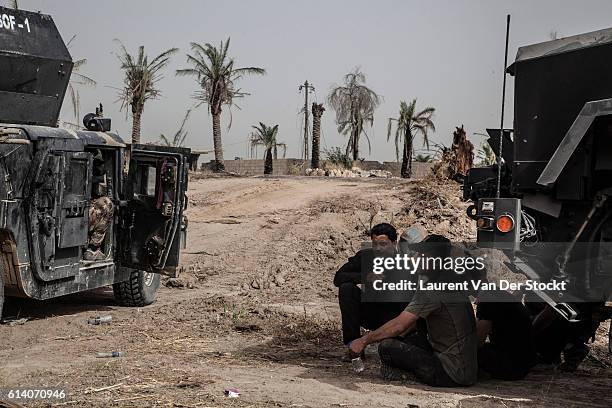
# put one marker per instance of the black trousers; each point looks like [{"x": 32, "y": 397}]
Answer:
[
  {"x": 503, "y": 365},
  {"x": 357, "y": 314},
  {"x": 414, "y": 354}
]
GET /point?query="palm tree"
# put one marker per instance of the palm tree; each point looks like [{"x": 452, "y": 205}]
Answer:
[
  {"x": 409, "y": 124},
  {"x": 266, "y": 136},
  {"x": 140, "y": 82},
  {"x": 354, "y": 104},
  {"x": 317, "y": 112},
  {"x": 77, "y": 79},
  {"x": 179, "y": 137},
  {"x": 217, "y": 77}
]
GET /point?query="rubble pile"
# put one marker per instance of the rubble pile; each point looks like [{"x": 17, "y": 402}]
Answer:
[
  {"x": 436, "y": 204},
  {"x": 352, "y": 173}
]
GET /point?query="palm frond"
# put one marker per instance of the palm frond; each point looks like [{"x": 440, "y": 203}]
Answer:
[
  {"x": 141, "y": 76},
  {"x": 165, "y": 140},
  {"x": 216, "y": 75}
]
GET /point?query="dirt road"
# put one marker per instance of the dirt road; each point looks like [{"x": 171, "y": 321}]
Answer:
[{"x": 255, "y": 309}]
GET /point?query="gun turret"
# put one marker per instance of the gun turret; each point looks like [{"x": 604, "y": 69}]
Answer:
[{"x": 35, "y": 68}]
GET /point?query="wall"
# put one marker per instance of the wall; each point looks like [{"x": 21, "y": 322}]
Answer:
[
  {"x": 253, "y": 167},
  {"x": 282, "y": 166}
]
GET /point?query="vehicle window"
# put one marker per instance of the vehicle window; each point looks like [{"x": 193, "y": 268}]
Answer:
[
  {"x": 146, "y": 179},
  {"x": 76, "y": 177},
  {"x": 151, "y": 178}
]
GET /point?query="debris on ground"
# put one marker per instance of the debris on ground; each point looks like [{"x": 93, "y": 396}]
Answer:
[
  {"x": 245, "y": 328},
  {"x": 184, "y": 281},
  {"x": 232, "y": 393},
  {"x": 352, "y": 173},
  {"x": 100, "y": 320},
  {"x": 15, "y": 322},
  {"x": 112, "y": 354},
  {"x": 436, "y": 205}
]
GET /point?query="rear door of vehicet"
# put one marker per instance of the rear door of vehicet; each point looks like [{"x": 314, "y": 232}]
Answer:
[{"x": 152, "y": 209}]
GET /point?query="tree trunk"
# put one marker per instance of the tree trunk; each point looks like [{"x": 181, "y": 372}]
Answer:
[
  {"x": 407, "y": 155},
  {"x": 317, "y": 111},
  {"x": 219, "y": 163},
  {"x": 404, "y": 170},
  {"x": 268, "y": 163},
  {"x": 349, "y": 146},
  {"x": 136, "y": 118},
  {"x": 463, "y": 151},
  {"x": 355, "y": 146}
]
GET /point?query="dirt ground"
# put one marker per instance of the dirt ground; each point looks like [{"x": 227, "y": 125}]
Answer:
[{"x": 255, "y": 309}]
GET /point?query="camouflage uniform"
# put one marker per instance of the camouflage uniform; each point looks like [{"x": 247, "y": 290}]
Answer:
[{"x": 100, "y": 217}]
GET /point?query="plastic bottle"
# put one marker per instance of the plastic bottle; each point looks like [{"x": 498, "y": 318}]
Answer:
[
  {"x": 357, "y": 365},
  {"x": 100, "y": 320}
]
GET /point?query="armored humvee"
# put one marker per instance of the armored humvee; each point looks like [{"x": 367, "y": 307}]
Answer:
[
  {"x": 556, "y": 174},
  {"x": 46, "y": 182}
]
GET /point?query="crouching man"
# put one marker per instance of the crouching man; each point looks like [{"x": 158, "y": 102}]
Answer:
[
  {"x": 446, "y": 356},
  {"x": 355, "y": 313}
]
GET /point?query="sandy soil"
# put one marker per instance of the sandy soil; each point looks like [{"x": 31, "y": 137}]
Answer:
[{"x": 255, "y": 309}]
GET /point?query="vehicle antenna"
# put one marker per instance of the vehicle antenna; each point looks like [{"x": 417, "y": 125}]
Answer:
[{"x": 503, "y": 105}]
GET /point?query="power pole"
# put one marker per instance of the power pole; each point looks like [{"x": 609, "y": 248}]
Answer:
[{"x": 307, "y": 88}]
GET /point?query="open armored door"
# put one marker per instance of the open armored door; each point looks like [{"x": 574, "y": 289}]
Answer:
[
  {"x": 58, "y": 207},
  {"x": 154, "y": 200}
]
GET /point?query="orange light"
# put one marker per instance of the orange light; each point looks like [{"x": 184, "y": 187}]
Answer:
[
  {"x": 481, "y": 223},
  {"x": 505, "y": 223}
]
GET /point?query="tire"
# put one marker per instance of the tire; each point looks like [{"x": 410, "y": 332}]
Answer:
[{"x": 139, "y": 290}]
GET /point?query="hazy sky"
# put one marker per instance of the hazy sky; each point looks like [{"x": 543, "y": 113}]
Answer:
[{"x": 448, "y": 54}]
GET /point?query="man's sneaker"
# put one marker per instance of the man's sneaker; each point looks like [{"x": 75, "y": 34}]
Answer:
[
  {"x": 390, "y": 373},
  {"x": 96, "y": 255}
]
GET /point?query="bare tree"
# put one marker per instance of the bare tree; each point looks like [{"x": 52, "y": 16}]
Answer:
[
  {"x": 354, "y": 104},
  {"x": 317, "y": 112}
]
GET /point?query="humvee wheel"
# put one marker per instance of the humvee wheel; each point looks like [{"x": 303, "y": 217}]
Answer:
[{"x": 139, "y": 290}]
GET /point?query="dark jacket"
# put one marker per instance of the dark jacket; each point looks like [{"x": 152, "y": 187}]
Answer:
[{"x": 350, "y": 272}]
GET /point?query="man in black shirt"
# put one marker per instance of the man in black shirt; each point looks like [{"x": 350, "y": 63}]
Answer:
[
  {"x": 355, "y": 313},
  {"x": 510, "y": 353}
]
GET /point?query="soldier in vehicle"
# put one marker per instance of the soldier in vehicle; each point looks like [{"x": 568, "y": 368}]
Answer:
[{"x": 100, "y": 211}]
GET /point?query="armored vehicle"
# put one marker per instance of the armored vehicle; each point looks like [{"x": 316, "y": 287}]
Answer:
[
  {"x": 50, "y": 177},
  {"x": 555, "y": 181}
]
